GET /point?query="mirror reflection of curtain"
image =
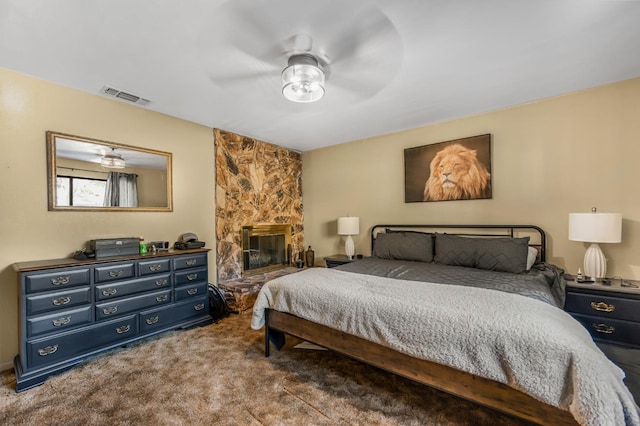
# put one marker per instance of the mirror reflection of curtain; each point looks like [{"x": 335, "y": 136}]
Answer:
[{"x": 122, "y": 190}]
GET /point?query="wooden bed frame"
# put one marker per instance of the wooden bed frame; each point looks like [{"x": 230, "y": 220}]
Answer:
[{"x": 489, "y": 393}]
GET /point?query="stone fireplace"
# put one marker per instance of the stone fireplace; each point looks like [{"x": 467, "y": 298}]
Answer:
[
  {"x": 265, "y": 248},
  {"x": 259, "y": 188},
  {"x": 257, "y": 184}
]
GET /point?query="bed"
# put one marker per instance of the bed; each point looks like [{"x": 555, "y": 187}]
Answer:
[{"x": 474, "y": 311}]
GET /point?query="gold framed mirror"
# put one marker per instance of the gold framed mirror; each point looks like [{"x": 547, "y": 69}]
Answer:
[{"x": 94, "y": 175}]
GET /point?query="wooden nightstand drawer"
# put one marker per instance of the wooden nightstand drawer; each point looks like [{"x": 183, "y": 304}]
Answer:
[
  {"x": 612, "y": 330},
  {"x": 603, "y": 306}
]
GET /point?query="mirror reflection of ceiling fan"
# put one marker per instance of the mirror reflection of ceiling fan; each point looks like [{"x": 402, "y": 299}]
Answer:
[{"x": 344, "y": 50}]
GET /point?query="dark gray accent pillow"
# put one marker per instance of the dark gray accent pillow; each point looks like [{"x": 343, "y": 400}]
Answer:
[
  {"x": 493, "y": 254},
  {"x": 502, "y": 254},
  {"x": 455, "y": 251},
  {"x": 404, "y": 246}
]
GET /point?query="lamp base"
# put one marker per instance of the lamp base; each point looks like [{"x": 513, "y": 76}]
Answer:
[
  {"x": 595, "y": 264},
  {"x": 349, "y": 248}
]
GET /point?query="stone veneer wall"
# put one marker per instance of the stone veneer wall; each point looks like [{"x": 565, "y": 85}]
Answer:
[{"x": 256, "y": 184}]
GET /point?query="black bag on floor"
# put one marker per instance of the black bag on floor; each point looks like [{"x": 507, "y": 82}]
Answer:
[{"x": 218, "y": 307}]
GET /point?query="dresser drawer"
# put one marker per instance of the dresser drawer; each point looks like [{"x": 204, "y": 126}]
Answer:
[
  {"x": 64, "y": 346},
  {"x": 57, "y": 280},
  {"x": 58, "y": 321},
  {"x": 193, "y": 261},
  {"x": 191, "y": 276},
  {"x": 604, "y": 306},
  {"x": 149, "y": 267},
  {"x": 61, "y": 300},
  {"x": 114, "y": 272},
  {"x": 125, "y": 288},
  {"x": 611, "y": 330},
  {"x": 122, "y": 306},
  {"x": 160, "y": 318},
  {"x": 187, "y": 291}
]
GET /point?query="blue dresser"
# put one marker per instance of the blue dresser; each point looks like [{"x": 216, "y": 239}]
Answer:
[
  {"x": 72, "y": 309},
  {"x": 610, "y": 313}
]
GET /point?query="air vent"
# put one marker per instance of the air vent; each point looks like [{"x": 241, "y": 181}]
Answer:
[{"x": 115, "y": 93}]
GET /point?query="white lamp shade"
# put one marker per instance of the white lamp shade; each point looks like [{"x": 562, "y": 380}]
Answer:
[
  {"x": 595, "y": 227},
  {"x": 348, "y": 225}
]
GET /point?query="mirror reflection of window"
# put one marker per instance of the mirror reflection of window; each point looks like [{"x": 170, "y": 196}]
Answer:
[{"x": 80, "y": 192}]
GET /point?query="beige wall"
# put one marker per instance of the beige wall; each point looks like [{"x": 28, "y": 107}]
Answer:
[
  {"x": 28, "y": 108},
  {"x": 550, "y": 158}
]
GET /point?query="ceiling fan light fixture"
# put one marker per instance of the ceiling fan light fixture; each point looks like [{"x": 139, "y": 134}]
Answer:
[
  {"x": 112, "y": 160},
  {"x": 303, "y": 79}
]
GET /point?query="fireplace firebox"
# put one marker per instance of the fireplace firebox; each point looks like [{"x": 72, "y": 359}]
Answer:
[{"x": 265, "y": 248}]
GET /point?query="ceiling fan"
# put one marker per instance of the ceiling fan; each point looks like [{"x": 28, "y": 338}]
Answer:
[{"x": 255, "y": 48}]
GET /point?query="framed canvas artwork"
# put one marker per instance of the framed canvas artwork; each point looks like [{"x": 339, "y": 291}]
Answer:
[{"x": 453, "y": 170}]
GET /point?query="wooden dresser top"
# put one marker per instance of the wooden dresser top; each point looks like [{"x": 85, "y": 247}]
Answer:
[{"x": 37, "y": 265}]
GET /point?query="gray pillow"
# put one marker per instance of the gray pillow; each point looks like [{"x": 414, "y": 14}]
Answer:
[
  {"x": 493, "y": 254},
  {"x": 404, "y": 246},
  {"x": 455, "y": 251},
  {"x": 502, "y": 254}
]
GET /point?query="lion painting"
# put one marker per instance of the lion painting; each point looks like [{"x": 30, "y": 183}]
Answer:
[{"x": 456, "y": 174}]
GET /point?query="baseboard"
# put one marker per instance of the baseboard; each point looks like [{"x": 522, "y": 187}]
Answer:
[{"x": 6, "y": 366}]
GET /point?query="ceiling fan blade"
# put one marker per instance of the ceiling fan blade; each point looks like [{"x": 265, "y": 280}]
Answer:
[{"x": 249, "y": 39}]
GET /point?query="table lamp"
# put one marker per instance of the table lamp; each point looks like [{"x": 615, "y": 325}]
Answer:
[
  {"x": 349, "y": 226},
  {"x": 595, "y": 228}
]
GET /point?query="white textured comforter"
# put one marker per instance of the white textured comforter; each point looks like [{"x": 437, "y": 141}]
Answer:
[{"x": 529, "y": 345}]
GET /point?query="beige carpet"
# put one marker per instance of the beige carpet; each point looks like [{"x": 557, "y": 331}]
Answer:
[{"x": 218, "y": 375}]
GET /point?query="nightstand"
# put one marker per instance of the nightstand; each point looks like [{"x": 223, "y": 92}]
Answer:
[
  {"x": 610, "y": 313},
  {"x": 337, "y": 260}
]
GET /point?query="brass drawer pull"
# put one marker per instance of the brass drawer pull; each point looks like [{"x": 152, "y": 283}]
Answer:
[
  {"x": 123, "y": 329},
  {"x": 162, "y": 298},
  {"x": 191, "y": 262},
  {"x": 604, "y": 328},
  {"x": 154, "y": 268},
  {"x": 109, "y": 291},
  {"x": 115, "y": 274},
  {"x": 60, "y": 280},
  {"x": 192, "y": 291},
  {"x": 161, "y": 282},
  {"x": 48, "y": 350},
  {"x": 61, "y": 321},
  {"x": 110, "y": 310},
  {"x": 61, "y": 301},
  {"x": 192, "y": 277},
  {"x": 152, "y": 320},
  {"x": 199, "y": 307},
  {"x": 602, "y": 307}
]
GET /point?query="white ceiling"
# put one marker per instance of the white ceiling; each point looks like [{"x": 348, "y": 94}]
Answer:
[{"x": 394, "y": 65}]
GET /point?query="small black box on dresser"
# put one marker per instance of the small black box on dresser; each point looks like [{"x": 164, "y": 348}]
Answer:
[{"x": 114, "y": 247}]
